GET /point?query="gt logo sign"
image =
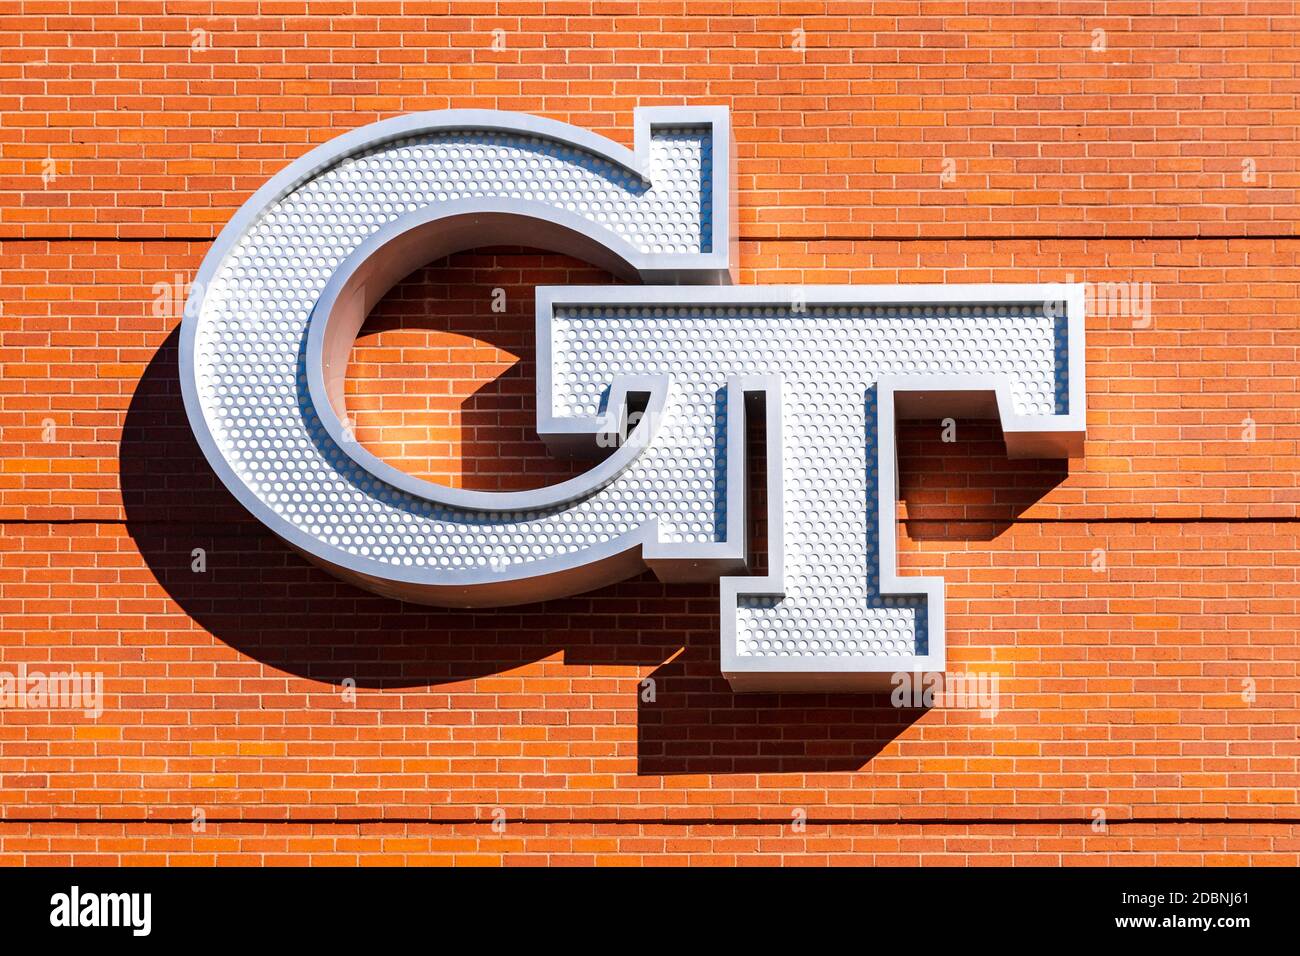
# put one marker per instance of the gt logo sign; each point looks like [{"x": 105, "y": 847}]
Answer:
[{"x": 281, "y": 297}]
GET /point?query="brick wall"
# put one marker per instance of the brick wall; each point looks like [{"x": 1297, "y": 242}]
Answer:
[{"x": 1139, "y": 605}]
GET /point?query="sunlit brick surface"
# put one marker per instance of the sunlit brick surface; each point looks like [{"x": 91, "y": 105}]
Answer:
[{"x": 1128, "y": 602}]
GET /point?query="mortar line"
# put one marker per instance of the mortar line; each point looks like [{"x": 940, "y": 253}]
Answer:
[{"x": 652, "y": 821}]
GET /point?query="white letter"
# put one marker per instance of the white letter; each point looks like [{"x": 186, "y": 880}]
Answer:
[
  {"x": 142, "y": 913},
  {"x": 59, "y": 915}
]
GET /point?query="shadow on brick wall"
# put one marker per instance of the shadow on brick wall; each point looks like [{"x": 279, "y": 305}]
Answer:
[
  {"x": 967, "y": 489},
  {"x": 268, "y": 603}
]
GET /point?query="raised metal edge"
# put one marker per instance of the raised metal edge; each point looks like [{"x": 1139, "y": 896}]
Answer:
[
  {"x": 1056, "y": 436},
  {"x": 480, "y": 586}
]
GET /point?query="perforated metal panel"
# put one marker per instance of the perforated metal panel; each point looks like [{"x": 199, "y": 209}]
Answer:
[
  {"x": 253, "y": 322},
  {"x": 292, "y": 277}
]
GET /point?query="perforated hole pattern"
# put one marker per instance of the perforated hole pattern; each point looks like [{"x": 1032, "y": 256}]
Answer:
[{"x": 249, "y": 346}]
